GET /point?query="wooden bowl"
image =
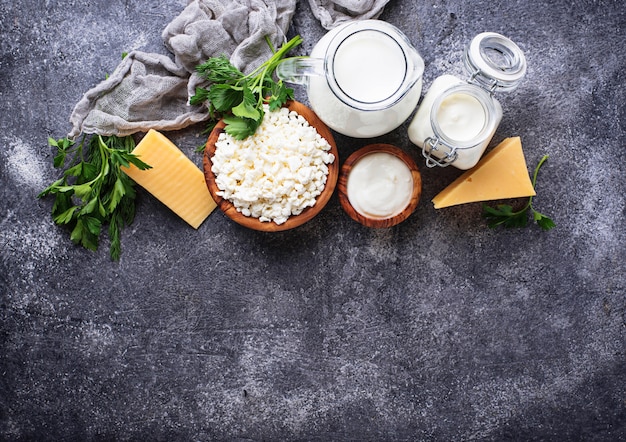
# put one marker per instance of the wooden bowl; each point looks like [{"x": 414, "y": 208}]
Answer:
[
  {"x": 294, "y": 220},
  {"x": 342, "y": 187}
]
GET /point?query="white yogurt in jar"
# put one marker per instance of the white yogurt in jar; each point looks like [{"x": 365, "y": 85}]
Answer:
[
  {"x": 420, "y": 127},
  {"x": 380, "y": 185},
  {"x": 462, "y": 118}
]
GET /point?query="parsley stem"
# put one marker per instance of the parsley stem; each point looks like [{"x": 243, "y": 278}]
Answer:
[
  {"x": 269, "y": 43},
  {"x": 104, "y": 166},
  {"x": 78, "y": 155},
  {"x": 270, "y": 65},
  {"x": 535, "y": 173},
  {"x": 529, "y": 203}
]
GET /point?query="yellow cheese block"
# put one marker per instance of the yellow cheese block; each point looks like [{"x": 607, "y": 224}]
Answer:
[
  {"x": 502, "y": 173},
  {"x": 173, "y": 179}
]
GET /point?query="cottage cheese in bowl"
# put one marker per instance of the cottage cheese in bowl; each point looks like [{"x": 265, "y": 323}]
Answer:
[{"x": 275, "y": 174}]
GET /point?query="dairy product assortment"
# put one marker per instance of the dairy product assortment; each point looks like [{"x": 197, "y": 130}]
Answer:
[{"x": 362, "y": 80}]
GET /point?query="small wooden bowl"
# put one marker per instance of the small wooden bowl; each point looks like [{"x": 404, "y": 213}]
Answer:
[
  {"x": 295, "y": 220},
  {"x": 342, "y": 187}
]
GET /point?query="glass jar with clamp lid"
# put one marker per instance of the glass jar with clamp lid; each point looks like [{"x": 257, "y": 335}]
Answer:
[{"x": 456, "y": 119}]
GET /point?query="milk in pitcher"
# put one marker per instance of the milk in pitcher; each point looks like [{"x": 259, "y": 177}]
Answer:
[{"x": 363, "y": 78}]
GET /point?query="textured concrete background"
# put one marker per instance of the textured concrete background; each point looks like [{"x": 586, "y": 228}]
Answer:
[{"x": 436, "y": 329}]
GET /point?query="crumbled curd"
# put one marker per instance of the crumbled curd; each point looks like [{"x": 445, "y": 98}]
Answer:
[{"x": 275, "y": 173}]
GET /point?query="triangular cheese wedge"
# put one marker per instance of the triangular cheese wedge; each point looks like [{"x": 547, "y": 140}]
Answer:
[
  {"x": 173, "y": 179},
  {"x": 501, "y": 173}
]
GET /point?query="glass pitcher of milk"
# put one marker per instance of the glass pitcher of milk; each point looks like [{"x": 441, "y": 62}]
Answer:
[
  {"x": 363, "y": 78},
  {"x": 457, "y": 119}
]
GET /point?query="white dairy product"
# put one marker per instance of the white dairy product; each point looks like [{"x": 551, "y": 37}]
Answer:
[
  {"x": 463, "y": 120},
  {"x": 377, "y": 74},
  {"x": 380, "y": 185},
  {"x": 420, "y": 127},
  {"x": 369, "y": 66},
  {"x": 461, "y": 117},
  {"x": 275, "y": 173}
]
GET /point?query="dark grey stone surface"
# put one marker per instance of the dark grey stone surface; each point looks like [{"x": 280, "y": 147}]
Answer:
[{"x": 437, "y": 329}]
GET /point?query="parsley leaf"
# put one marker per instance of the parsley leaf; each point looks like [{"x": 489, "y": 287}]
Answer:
[
  {"x": 544, "y": 222},
  {"x": 223, "y": 97},
  {"x": 247, "y": 108},
  {"x": 504, "y": 215},
  {"x": 240, "y": 127},
  {"x": 93, "y": 191},
  {"x": 238, "y": 98},
  {"x": 280, "y": 94},
  {"x": 220, "y": 70}
]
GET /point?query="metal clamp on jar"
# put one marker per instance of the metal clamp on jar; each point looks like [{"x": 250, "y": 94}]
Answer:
[{"x": 457, "y": 119}]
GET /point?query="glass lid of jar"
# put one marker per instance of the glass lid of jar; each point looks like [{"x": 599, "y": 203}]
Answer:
[{"x": 495, "y": 62}]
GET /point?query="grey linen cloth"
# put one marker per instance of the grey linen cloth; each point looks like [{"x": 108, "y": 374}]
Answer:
[
  {"x": 152, "y": 91},
  {"x": 334, "y": 13}
]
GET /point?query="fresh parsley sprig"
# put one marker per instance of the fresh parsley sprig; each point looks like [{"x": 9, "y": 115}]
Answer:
[
  {"x": 93, "y": 191},
  {"x": 504, "y": 214},
  {"x": 237, "y": 97}
]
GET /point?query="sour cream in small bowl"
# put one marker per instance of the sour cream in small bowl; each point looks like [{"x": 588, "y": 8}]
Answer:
[{"x": 379, "y": 186}]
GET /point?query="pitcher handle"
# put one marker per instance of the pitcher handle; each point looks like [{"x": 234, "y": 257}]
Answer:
[{"x": 297, "y": 69}]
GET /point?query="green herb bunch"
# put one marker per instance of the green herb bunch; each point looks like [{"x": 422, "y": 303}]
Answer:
[
  {"x": 238, "y": 98},
  {"x": 94, "y": 191},
  {"x": 504, "y": 214}
]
